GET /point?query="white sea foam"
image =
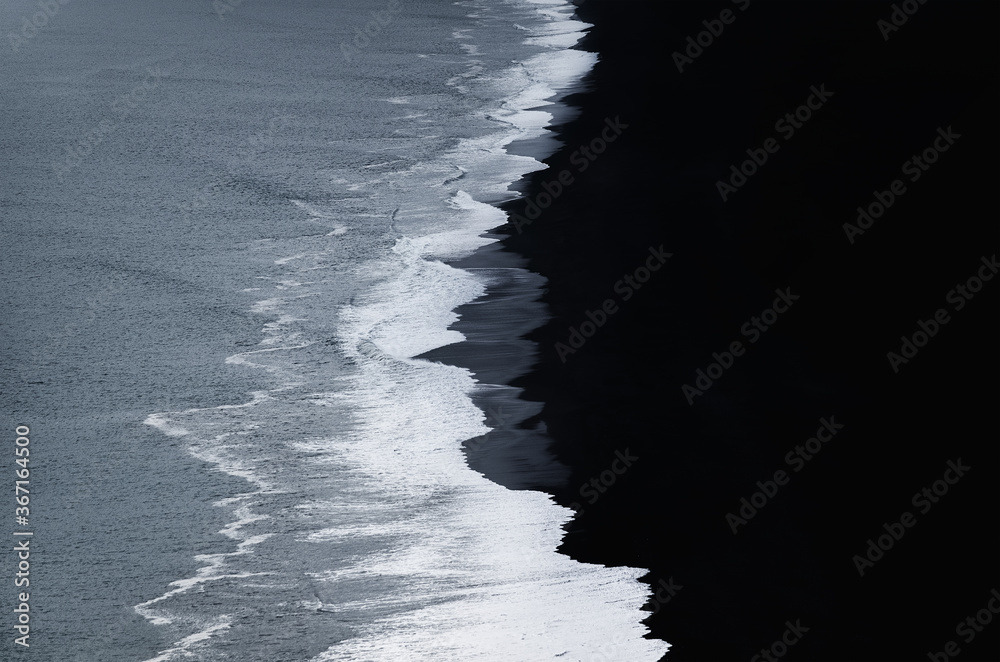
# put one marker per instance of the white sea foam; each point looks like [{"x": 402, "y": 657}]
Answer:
[
  {"x": 182, "y": 649},
  {"x": 163, "y": 424}
]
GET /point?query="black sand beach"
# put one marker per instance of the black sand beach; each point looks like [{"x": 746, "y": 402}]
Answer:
[{"x": 819, "y": 411}]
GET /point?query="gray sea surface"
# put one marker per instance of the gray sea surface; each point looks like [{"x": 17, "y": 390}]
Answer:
[{"x": 225, "y": 228}]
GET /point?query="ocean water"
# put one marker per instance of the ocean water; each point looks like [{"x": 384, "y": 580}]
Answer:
[{"x": 227, "y": 229}]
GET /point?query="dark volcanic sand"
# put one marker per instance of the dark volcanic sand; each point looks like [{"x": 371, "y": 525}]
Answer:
[{"x": 826, "y": 356}]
